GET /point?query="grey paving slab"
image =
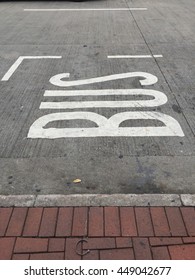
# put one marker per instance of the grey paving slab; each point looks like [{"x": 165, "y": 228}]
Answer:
[
  {"x": 108, "y": 200},
  {"x": 17, "y": 200},
  {"x": 84, "y": 40},
  {"x": 188, "y": 200},
  {"x": 96, "y": 200}
]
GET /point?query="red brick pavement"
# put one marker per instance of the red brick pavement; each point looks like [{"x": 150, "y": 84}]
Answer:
[{"x": 92, "y": 233}]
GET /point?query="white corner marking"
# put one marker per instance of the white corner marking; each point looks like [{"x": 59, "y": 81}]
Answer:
[{"x": 17, "y": 63}]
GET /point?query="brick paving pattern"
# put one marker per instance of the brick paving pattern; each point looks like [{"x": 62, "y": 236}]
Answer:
[{"x": 93, "y": 233}]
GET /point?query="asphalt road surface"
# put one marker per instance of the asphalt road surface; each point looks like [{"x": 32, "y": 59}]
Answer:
[{"x": 102, "y": 91}]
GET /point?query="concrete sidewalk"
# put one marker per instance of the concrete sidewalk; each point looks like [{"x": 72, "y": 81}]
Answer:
[{"x": 93, "y": 233}]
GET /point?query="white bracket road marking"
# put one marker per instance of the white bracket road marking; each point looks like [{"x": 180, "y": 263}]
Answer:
[
  {"x": 149, "y": 79},
  {"x": 85, "y": 10},
  {"x": 17, "y": 63},
  {"x": 159, "y": 99},
  {"x": 106, "y": 127},
  {"x": 135, "y": 56}
]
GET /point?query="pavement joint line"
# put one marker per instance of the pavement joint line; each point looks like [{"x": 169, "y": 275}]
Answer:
[
  {"x": 90, "y": 200},
  {"x": 85, "y": 10}
]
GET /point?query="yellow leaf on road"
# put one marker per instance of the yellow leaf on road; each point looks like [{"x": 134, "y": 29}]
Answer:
[{"x": 77, "y": 181}]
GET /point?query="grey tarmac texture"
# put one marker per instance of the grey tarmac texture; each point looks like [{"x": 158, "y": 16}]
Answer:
[{"x": 105, "y": 165}]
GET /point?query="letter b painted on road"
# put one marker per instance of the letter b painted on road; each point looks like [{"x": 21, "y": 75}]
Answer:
[{"x": 105, "y": 127}]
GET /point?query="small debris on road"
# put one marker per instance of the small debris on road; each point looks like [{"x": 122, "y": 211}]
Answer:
[{"x": 76, "y": 181}]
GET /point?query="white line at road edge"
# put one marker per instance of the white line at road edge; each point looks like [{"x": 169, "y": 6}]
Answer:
[
  {"x": 135, "y": 56},
  {"x": 17, "y": 63},
  {"x": 84, "y": 10}
]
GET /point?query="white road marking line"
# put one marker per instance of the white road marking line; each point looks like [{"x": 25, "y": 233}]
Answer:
[
  {"x": 135, "y": 56},
  {"x": 84, "y": 10},
  {"x": 17, "y": 63},
  {"x": 157, "y": 55}
]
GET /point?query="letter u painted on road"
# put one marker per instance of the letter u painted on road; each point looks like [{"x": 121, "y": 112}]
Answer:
[{"x": 105, "y": 126}]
